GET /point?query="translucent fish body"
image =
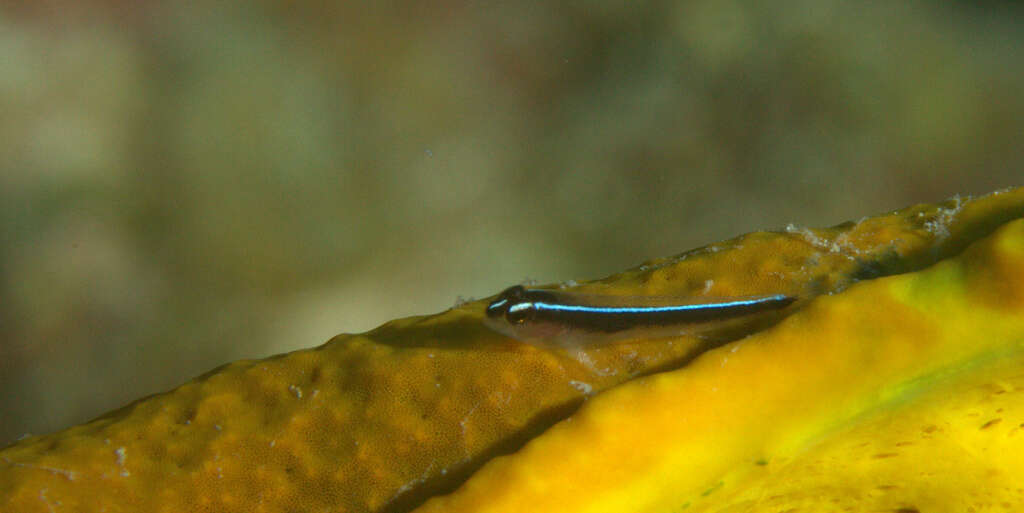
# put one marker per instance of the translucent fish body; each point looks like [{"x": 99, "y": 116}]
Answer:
[{"x": 573, "y": 320}]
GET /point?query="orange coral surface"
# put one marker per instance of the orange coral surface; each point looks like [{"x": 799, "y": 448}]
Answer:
[{"x": 384, "y": 420}]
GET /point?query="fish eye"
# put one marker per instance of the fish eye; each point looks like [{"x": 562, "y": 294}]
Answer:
[{"x": 519, "y": 313}]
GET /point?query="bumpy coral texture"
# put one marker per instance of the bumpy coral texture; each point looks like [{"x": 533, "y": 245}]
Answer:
[
  {"x": 886, "y": 397},
  {"x": 841, "y": 404}
]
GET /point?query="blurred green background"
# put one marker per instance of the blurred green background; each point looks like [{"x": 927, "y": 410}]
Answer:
[{"x": 185, "y": 185}]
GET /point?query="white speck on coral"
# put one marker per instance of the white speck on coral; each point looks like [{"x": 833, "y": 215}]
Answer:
[
  {"x": 582, "y": 357},
  {"x": 217, "y": 427},
  {"x": 273, "y": 443},
  {"x": 505, "y": 398},
  {"x": 419, "y": 480},
  {"x": 838, "y": 246},
  {"x": 68, "y": 474},
  {"x": 939, "y": 226},
  {"x": 296, "y": 390},
  {"x": 707, "y": 286},
  {"x": 121, "y": 455},
  {"x": 430, "y": 355},
  {"x": 459, "y": 300},
  {"x": 465, "y": 418},
  {"x": 42, "y": 497},
  {"x": 584, "y": 388},
  {"x": 567, "y": 284},
  {"x": 316, "y": 392}
]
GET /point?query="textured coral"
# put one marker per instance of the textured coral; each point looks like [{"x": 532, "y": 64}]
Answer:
[
  {"x": 934, "y": 357},
  {"x": 839, "y": 404}
]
